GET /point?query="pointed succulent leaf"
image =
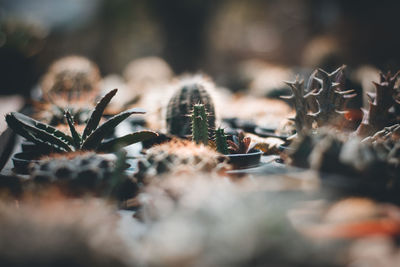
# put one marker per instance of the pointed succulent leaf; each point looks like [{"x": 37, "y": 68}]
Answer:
[
  {"x": 75, "y": 135},
  {"x": 42, "y": 126},
  {"x": 37, "y": 133},
  {"x": 129, "y": 139},
  {"x": 98, "y": 111},
  {"x": 95, "y": 138}
]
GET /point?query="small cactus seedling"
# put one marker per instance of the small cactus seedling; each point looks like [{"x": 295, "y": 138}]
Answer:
[
  {"x": 199, "y": 124},
  {"x": 378, "y": 116},
  {"x": 240, "y": 144},
  {"x": 221, "y": 142},
  {"x": 181, "y": 104},
  {"x": 92, "y": 136}
]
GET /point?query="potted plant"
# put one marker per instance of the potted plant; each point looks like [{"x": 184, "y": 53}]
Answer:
[
  {"x": 238, "y": 149},
  {"x": 91, "y": 139}
]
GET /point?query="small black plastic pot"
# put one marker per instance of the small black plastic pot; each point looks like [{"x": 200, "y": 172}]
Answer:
[
  {"x": 22, "y": 161},
  {"x": 28, "y": 146},
  {"x": 248, "y": 160}
]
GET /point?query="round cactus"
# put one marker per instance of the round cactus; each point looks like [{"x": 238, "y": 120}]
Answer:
[{"x": 181, "y": 105}]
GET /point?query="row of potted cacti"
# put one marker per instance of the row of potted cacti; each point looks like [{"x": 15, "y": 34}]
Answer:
[{"x": 190, "y": 114}]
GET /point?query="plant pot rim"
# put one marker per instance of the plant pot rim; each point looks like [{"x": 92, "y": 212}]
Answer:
[{"x": 255, "y": 152}]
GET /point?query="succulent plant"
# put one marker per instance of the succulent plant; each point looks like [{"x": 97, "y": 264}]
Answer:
[
  {"x": 381, "y": 104},
  {"x": 240, "y": 144},
  {"x": 181, "y": 105},
  {"x": 302, "y": 120},
  {"x": 323, "y": 101},
  {"x": 52, "y": 110},
  {"x": 71, "y": 77},
  {"x": 92, "y": 136},
  {"x": 221, "y": 142},
  {"x": 199, "y": 124},
  {"x": 80, "y": 172},
  {"x": 328, "y": 151},
  {"x": 179, "y": 156},
  {"x": 331, "y": 98}
]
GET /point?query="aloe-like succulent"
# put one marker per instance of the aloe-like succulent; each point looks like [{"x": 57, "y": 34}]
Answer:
[
  {"x": 92, "y": 136},
  {"x": 199, "y": 119},
  {"x": 181, "y": 105},
  {"x": 379, "y": 114},
  {"x": 221, "y": 142}
]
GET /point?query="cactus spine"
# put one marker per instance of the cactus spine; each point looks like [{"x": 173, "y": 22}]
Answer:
[{"x": 199, "y": 124}]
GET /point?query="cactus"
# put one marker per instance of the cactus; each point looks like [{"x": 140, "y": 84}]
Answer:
[
  {"x": 302, "y": 120},
  {"x": 378, "y": 115},
  {"x": 330, "y": 97},
  {"x": 199, "y": 124},
  {"x": 323, "y": 101},
  {"x": 52, "y": 111},
  {"x": 332, "y": 152},
  {"x": 181, "y": 104},
  {"x": 179, "y": 156},
  {"x": 71, "y": 77},
  {"x": 92, "y": 136},
  {"x": 80, "y": 172},
  {"x": 221, "y": 142}
]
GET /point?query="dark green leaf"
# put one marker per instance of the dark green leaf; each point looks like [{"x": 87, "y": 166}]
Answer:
[
  {"x": 23, "y": 126},
  {"x": 95, "y": 138},
  {"x": 75, "y": 135},
  {"x": 45, "y": 127},
  {"x": 129, "y": 139},
  {"x": 98, "y": 111}
]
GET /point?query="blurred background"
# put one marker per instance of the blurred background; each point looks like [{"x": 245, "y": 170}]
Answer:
[{"x": 230, "y": 40}]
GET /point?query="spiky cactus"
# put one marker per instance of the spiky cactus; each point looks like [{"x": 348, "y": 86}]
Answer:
[
  {"x": 71, "y": 77},
  {"x": 80, "y": 172},
  {"x": 379, "y": 114},
  {"x": 178, "y": 156},
  {"x": 331, "y": 98},
  {"x": 92, "y": 136},
  {"x": 302, "y": 120},
  {"x": 221, "y": 142},
  {"x": 181, "y": 105},
  {"x": 199, "y": 119}
]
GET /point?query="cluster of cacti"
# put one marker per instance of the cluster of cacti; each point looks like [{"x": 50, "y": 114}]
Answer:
[
  {"x": 383, "y": 106},
  {"x": 90, "y": 139},
  {"x": 323, "y": 101},
  {"x": 179, "y": 156},
  {"x": 181, "y": 106},
  {"x": 332, "y": 152},
  {"x": 84, "y": 171}
]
